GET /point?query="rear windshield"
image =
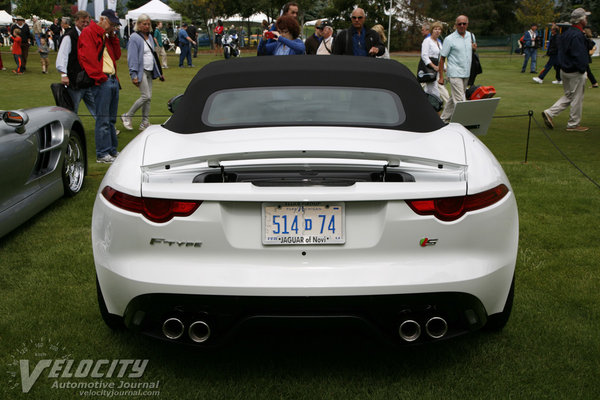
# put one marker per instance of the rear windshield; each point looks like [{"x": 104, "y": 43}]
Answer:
[{"x": 303, "y": 106}]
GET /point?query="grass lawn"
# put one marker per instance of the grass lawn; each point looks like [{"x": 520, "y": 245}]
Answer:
[{"x": 549, "y": 349}]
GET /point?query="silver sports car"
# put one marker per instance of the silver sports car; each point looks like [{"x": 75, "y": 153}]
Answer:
[
  {"x": 43, "y": 157},
  {"x": 305, "y": 189}
]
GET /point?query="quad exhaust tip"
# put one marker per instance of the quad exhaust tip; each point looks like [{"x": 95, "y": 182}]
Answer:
[
  {"x": 409, "y": 330},
  {"x": 173, "y": 328},
  {"x": 199, "y": 331},
  {"x": 436, "y": 327}
]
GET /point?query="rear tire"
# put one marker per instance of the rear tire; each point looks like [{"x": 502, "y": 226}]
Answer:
[
  {"x": 496, "y": 322},
  {"x": 113, "y": 321},
  {"x": 74, "y": 165}
]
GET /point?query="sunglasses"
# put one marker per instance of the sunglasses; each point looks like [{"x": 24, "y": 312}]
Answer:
[
  {"x": 355, "y": 17},
  {"x": 462, "y": 23}
]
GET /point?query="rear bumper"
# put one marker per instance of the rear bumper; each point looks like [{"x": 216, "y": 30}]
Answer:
[{"x": 381, "y": 316}]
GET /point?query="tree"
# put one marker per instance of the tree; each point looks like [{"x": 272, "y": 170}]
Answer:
[
  {"x": 133, "y": 4},
  {"x": 486, "y": 17},
  {"x": 536, "y": 12}
]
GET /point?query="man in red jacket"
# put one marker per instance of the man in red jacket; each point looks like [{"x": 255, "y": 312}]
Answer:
[{"x": 98, "y": 51}]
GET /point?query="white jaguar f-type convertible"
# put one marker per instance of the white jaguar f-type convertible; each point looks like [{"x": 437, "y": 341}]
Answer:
[{"x": 305, "y": 188}]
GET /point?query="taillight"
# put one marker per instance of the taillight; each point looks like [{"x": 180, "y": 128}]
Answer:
[
  {"x": 452, "y": 208},
  {"x": 156, "y": 210}
]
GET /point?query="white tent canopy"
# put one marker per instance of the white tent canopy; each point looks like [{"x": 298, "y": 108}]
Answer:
[
  {"x": 258, "y": 17},
  {"x": 5, "y": 18},
  {"x": 156, "y": 10}
]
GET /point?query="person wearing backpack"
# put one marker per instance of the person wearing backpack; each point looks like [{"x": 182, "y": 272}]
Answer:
[{"x": 530, "y": 49}]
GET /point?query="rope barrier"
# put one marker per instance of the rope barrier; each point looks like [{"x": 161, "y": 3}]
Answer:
[
  {"x": 541, "y": 127},
  {"x": 564, "y": 154}
]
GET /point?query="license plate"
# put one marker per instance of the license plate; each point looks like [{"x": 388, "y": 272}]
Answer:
[{"x": 303, "y": 223}]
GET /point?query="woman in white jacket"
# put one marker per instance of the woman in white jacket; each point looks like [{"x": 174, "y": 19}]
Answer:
[{"x": 430, "y": 54}]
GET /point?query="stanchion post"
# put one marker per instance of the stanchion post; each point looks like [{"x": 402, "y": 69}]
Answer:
[{"x": 530, "y": 113}]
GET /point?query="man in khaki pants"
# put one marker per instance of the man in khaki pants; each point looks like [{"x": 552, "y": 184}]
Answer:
[{"x": 573, "y": 60}]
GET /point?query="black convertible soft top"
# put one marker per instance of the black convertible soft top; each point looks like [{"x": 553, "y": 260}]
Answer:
[{"x": 347, "y": 71}]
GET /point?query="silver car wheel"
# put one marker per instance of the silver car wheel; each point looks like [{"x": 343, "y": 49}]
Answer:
[{"x": 74, "y": 166}]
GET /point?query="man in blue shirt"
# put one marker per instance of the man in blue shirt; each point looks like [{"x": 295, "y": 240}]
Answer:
[
  {"x": 530, "y": 50},
  {"x": 184, "y": 46},
  {"x": 573, "y": 58},
  {"x": 358, "y": 40},
  {"x": 456, "y": 54}
]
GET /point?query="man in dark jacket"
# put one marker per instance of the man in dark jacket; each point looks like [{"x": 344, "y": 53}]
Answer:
[
  {"x": 313, "y": 41},
  {"x": 573, "y": 60},
  {"x": 25, "y": 39},
  {"x": 67, "y": 63},
  {"x": 358, "y": 40},
  {"x": 192, "y": 32},
  {"x": 552, "y": 54}
]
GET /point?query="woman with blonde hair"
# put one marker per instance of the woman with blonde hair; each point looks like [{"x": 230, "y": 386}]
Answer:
[
  {"x": 381, "y": 31},
  {"x": 430, "y": 54},
  {"x": 143, "y": 68}
]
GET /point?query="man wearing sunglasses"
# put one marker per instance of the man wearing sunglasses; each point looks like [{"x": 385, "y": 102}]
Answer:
[
  {"x": 313, "y": 41},
  {"x": 358, "y": 40},
  {"x": 456, "y": 55}
]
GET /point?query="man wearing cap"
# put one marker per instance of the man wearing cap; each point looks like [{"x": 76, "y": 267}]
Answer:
[
  {"x": 313, "y": 41},
  {"x": 98, "y": 52},
  {"x": 25, "y": 39},
  {"x": 326, "y": 46},
  {"x": 573, "y": 59}
]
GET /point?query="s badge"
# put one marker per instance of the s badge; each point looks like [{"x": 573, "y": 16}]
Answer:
[{"x": 427, "y": 242}]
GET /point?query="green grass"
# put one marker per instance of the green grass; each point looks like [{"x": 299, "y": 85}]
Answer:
[{"x": 549, "y": 349}]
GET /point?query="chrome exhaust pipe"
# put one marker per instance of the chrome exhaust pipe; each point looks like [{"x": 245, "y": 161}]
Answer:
[
  {"x": 173, "y": 328},
  {"x": 409, "y": 330},
  {"x": 436, "y": 327},
  {"x": 199, "y": 331}
]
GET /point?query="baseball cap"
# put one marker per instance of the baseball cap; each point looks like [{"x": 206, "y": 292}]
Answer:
[
  {"x": 324, "y": 24},
  {"x": 112, "y": 16},
  {"x": 578, "y": 14}
]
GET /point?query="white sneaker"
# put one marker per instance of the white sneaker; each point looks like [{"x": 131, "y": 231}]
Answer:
[
  {"x": 557, "y": 82},
  {"x": 127, "y": 122},
  {"x": 107, "y": 159},
  {"x": 144, "y": 125},
  {"x": 538, "y": 80}
]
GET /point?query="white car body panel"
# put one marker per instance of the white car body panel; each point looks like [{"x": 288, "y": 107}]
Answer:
[{"x": 392, "y": 249}]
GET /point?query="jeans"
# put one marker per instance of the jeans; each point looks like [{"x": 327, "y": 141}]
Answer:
[
  {"x": 552, "y": 62},
  {"x": 185, "y": 54},
  {"x": 106, "y": 98},
  {"x": 88, "y": 98},
  {"x": 530, "y": 52}
]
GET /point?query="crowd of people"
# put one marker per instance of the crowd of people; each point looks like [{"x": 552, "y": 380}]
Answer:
[{"x": 87, "y": 53}]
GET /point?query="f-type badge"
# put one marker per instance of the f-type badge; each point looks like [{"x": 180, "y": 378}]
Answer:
[
  {"x": 428, "y": 242},
  {"x": 170, "y": 243}
]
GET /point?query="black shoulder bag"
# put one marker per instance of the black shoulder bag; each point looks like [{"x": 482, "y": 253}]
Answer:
[
  {"x": 154, "y": 55},
  {"x": 425, "y": 73}
]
